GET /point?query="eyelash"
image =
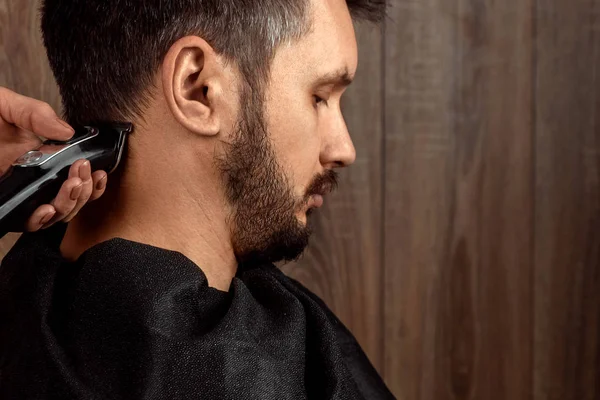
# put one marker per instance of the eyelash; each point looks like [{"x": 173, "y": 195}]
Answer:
[{"x": 319, "y": 100}]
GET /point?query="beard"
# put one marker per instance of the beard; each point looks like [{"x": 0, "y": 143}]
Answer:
[{"x": 264, "y": 226}]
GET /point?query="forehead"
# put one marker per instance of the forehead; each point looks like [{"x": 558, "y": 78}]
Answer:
[{"x": 329, "y": 46}]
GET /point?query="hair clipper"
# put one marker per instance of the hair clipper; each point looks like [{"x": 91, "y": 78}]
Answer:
[{"x": 37, "y": 176}]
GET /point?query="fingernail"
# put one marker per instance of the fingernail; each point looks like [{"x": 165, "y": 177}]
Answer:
[
  {"x": 83, "y": 165},
  {"x": 101, "y": 183},
  {"x": 65, "y": 125},
  {"x": 76, "y": 192},
  {"x": 47, "y": 218}
]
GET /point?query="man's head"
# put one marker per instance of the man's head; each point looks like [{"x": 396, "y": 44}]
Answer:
[{"x": 249, "y": 90}]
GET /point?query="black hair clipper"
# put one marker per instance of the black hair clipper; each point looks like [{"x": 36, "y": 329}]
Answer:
[{"x": 36, "y": 177}]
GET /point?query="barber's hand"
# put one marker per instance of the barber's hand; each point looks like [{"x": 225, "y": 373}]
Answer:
[{"x": 22, "y": 120}]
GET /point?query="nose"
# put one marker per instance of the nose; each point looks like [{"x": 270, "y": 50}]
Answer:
[{"x": 338, "y": 150}]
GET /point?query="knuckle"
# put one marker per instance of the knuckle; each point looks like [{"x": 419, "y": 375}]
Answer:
[
  {"x": 63, "y": 207},
  {"x": 27, "y": 118},
  {"x": 61, "y": 210},
  {"x": 38, "y": 113},
  {"x": 4, "y": 94},
  {"x": 44, "y": 108}
]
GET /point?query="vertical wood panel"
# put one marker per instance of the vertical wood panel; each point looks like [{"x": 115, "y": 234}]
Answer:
[
  {"x": 23, "y": 64},
  {"x": 419, "y": 156},
  {"x": 343, "y": 263},
  {"x": 567, "y": 291},
  {"x": 458, "y": 223}
]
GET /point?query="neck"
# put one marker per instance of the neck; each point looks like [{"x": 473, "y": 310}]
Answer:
[{"x": 155, "y": 205}]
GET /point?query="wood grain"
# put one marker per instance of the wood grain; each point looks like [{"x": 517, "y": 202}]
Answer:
[
  {"x": 23, "y": 63},
  {"x": 343, "y": 264},
  {"x": 567, "y": 219},
  {"x": 458, "y": 194}
]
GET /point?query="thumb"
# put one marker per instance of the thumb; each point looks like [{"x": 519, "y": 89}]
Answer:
[{"x": 33, "y": 115}]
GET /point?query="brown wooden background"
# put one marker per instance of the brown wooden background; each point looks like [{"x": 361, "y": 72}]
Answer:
[{"x": 463, "y": 248}]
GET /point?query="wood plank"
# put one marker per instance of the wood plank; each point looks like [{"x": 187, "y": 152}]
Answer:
[
  {"x": 567, "y": 246},
  {"x": 343, "y": 263},
  {"x": 23, "y": 63},
  {"x": 458, "y": 194}
]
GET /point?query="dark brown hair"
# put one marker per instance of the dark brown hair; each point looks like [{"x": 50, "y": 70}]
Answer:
[{"x": 104, "y": 53}]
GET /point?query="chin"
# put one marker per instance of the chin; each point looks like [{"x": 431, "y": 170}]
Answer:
[{"x": 303, "y": 216}]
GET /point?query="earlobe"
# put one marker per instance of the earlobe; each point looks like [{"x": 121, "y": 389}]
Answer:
[{"x": 191, "y": 84}]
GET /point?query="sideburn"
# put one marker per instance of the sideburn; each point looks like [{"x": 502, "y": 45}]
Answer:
[{"x": 264, "y": 226}]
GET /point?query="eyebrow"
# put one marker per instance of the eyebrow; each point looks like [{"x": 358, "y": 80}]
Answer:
[{"x": 340, "y": 77}]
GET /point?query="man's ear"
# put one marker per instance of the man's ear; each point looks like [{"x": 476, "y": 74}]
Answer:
[{"x": 192, "y": 82}]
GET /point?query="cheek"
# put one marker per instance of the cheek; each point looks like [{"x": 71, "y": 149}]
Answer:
[{"x": 296, "y": 142}]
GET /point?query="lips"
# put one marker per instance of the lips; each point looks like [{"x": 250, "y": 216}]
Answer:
[
  {"x": 321, "y": 186},
  {"x": 317, "y": 200}
]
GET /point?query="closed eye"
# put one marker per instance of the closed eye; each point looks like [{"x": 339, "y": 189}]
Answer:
[{"x": 319, "y": 100}]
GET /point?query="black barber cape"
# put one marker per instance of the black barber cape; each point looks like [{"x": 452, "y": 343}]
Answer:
[{"x": 133, "y": 321}]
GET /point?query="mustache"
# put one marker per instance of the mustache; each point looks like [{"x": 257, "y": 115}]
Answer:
[{"x": 323, "y": 184}]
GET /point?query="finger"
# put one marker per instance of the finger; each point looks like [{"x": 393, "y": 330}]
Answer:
[
  {"x": 85, "y": 174},
  {"x": 100, "y": 179},
  {"x": 40, "y": 217},
  {"x": 14, "y": 142},
  {"x": 66, "y": 200},
  {"x": 33, "y": 115}
]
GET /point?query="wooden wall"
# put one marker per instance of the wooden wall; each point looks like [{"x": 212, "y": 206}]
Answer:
[{"x": 463, "y": 247}]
